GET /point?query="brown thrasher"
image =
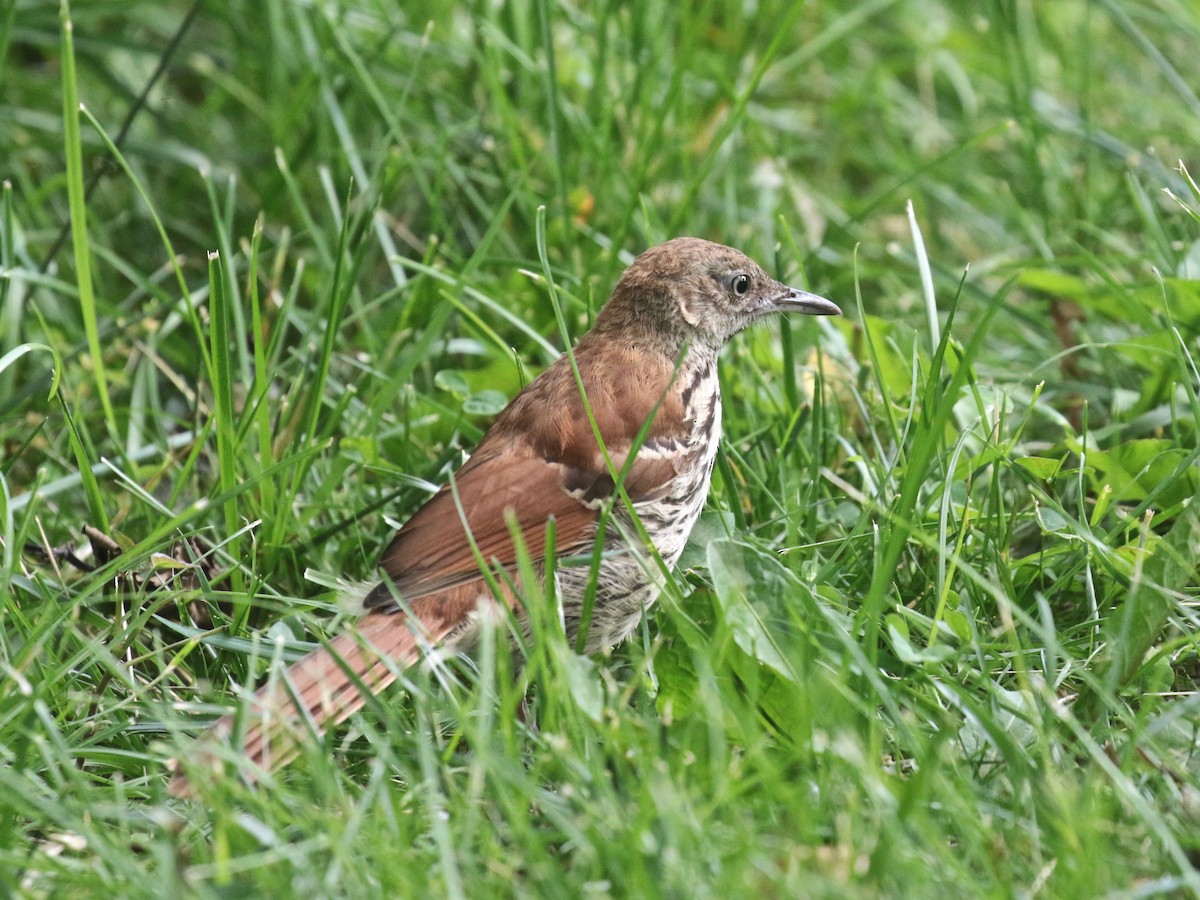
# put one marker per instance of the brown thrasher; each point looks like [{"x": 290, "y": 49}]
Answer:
[{"x": 649, "y": 360}]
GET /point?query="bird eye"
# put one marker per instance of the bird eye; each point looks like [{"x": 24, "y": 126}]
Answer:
[{"x": 740, "y": 283}]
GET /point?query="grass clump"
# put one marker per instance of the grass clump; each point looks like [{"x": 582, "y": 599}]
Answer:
[{"x": 936, "y": 632}]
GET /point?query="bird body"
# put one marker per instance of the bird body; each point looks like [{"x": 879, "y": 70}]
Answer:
[{"x": 648, "y": 370}]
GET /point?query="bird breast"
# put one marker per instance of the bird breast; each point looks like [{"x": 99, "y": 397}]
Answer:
[{"x": 669, "y": 519}]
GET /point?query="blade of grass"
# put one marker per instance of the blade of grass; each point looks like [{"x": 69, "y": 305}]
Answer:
[
  {"x": 73, "y": 149},
  {"x": 226, "y": 428}
]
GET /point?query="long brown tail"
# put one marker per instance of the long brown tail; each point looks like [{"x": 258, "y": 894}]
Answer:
[{"x": 315, "y": 693}]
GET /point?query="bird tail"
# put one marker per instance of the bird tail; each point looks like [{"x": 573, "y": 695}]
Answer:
[{"x": 316, "y": 693}]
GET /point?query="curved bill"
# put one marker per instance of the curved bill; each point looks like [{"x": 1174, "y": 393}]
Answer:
[{"x": 806, "y": 303}]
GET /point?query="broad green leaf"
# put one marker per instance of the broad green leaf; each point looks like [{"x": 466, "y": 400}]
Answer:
[
  {"x": 1040, "y": 466},
  {"x": 584, "y": 682},
  {"x": 452, "y": 381},
  {"x": 753, "y": 591},
  {"x": 908, "y": 652},
  {"x": 1137, "y": 467},
  {"x": 485, "y": 403},
  {"x": 1054, "y": 283}
]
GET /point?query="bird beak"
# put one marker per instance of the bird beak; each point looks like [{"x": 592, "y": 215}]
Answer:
[{"x": 806, "y": 303}]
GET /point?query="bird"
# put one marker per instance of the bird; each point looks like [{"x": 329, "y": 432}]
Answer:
[{"x": 648, "y": 371}]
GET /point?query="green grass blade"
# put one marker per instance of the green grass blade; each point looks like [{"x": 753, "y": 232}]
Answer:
[{"x": 79, "y": 235}]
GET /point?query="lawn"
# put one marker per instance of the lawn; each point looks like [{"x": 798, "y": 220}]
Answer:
[{"x": 268, "y": 270}]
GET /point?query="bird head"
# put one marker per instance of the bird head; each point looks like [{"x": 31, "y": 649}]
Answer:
[{"x": 692, "y": 290}]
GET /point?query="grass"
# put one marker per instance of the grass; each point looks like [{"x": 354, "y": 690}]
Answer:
[{"x": 936, "y": 633}]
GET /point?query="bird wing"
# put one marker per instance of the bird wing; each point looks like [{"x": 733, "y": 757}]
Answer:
[
  {"x": 432, "y": 552},
  {"x": 540, "y": 461}
]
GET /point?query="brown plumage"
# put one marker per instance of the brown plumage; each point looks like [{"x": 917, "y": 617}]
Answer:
[{"x": 650, "y": 357}]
